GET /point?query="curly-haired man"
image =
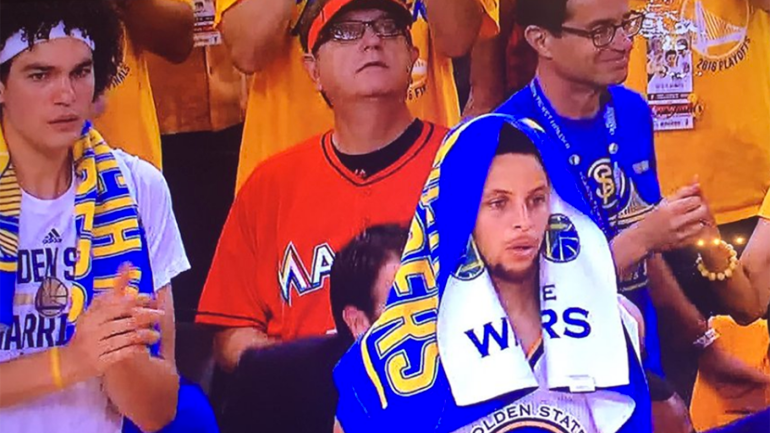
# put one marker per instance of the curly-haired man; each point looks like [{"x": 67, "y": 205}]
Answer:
[{"x": 88, "y": 239}]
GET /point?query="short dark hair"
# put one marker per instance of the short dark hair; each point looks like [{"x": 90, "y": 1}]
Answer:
[
  {"x": 671, "y": 53},
  {"x": 98, "y": 19},
  {"x": 357, "y": 266},
  {"x": 548, "y": 14},
  {"x": 514, "y": 140}
]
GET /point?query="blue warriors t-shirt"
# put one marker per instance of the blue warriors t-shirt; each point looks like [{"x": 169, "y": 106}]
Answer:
[{"x": 618, "y": 174}]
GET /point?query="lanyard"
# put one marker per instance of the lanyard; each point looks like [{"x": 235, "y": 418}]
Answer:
[{"x": 611, "y": 128}]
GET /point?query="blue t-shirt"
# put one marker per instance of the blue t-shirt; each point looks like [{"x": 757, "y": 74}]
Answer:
[{"x": 618, "y": 175}]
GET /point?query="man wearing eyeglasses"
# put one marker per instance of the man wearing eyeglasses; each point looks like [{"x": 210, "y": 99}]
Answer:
[
  {"x": 283, "y": 108},
  {"x": 605, "y": 132},
  {"x": 270, "y": 275}
]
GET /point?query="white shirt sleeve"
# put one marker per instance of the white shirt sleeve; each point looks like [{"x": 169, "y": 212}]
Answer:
[{"x": 150, "y": 190}]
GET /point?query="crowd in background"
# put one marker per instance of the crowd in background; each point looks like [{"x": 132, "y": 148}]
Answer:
[{"x": 294, "y": 159}]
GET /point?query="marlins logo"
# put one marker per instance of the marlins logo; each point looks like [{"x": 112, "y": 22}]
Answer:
[
  {"x": 51, "y": 298},
  {"x": 562, "y": 243},
  {"x": 472, "y": 266}
]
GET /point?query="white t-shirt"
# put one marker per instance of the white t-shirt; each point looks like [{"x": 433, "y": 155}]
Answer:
[{"x": 47, "y": 254}]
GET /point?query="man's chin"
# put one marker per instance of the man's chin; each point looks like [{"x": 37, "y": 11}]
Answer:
[
  {"x": 513, "y": 273},
  {"x": 61, "y": 140},
  {"x": 382, "y": 92},
  {"x": 617, "y": 77}
]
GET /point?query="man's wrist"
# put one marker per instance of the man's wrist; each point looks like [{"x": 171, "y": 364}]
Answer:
[
  {"x": 640, "y": 243},
  {"x": 706, "y": 340},
  {"x": 73, "y": 369},
  {"x": 698, "y": 333},
  {"x": 716, "y": 254}
]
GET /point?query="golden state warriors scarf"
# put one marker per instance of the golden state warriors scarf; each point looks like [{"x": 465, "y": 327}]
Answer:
[{"x": 108, "y": 229}]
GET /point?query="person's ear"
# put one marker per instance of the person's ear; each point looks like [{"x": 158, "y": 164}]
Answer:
[
  {"x": 99, "y": 106},
  {"x": 540, "y": 40},
  {"x": 311, "y": 66},
  {"x": 356, "y": 320},
  {"x": 415, "y": 54}
]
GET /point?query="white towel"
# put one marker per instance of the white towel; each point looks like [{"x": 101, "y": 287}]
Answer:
[{"x": 577, "y": 282}]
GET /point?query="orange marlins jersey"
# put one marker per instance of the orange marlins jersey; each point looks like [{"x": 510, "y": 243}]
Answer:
[{"x": 272, "y": 265}]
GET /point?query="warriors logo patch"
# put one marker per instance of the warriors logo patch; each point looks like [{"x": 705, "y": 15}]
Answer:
[
  {"x": 721, "y": 36},
  {"x": 722, "y": 25},
  {"x": 471, "y": 266},
  {"x": 562, "y": 243},
  {"x": 52, "y": 297}
]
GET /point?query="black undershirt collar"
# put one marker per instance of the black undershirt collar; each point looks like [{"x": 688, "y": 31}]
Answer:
[{"x": 369, "y": 164}]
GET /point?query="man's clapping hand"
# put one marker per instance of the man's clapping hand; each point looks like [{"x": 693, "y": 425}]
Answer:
[{"x": 116, "y": 326}]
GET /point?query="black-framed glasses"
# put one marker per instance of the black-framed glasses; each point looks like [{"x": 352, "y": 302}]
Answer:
[
  {"x": 604, "y": 35},
  {"x": 346, "y": 31}
]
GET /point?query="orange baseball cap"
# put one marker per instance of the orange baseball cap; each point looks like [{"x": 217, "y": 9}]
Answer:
[{"x": 322, "y": 12}]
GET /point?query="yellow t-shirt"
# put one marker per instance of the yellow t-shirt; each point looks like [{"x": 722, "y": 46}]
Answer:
[
  {"x": 715, "y": 405},
  {"x": 207, "y": 98},
  {"x": 284, "y": 108},
  {"x": 729, "y": 147},
  {"x": 765, "y": 211},
  {"x": 130, "y": 121}
]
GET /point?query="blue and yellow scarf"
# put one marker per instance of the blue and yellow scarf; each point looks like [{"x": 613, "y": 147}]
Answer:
[{"x": 109, "y": 232}]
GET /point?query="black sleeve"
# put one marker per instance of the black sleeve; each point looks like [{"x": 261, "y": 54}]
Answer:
[{"x": 285, "y": 388}]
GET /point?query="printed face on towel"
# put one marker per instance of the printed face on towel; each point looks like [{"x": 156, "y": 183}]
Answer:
[
  {"x": 48, "y": 94},
  {"x": 368, "y": 67},
  {"x": 578, "y": 57},
  {"x": 513, "y": 215}
]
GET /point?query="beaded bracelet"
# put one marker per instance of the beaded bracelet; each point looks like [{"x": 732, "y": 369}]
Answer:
[{"x": 725, "y": 274}]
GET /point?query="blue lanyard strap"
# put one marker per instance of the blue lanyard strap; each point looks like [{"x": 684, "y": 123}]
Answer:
[{"x": 610, "y": 124}]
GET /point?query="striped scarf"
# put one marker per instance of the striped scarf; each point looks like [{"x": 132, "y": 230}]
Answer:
[{"x": 108, "y": 229}]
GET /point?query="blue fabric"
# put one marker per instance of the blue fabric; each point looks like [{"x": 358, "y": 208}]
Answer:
[
  {"x": 415, "y": 396},
  {"x": 193, "y": 414},
  {"x": 755, "y": 423},
  {"x": 635, "y": 157}
]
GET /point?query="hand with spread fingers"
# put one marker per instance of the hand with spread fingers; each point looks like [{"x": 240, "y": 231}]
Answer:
[{"x": 117, "y": 326}]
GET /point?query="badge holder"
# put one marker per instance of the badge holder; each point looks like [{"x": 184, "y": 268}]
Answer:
[
  {"x": 205, "y": 34},
  {"x": 669, "y": 69}
]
